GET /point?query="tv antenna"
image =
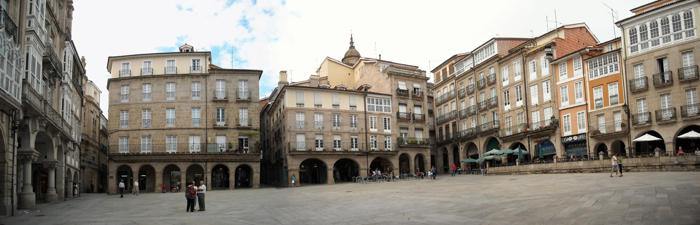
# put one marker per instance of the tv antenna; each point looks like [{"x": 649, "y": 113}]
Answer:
[{"x": 613, "y": 15}]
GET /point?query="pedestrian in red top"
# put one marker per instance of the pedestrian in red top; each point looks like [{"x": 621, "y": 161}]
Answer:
[{"x": 453, "y": 168}]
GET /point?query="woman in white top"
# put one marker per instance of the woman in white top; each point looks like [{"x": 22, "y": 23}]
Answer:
[
  {"x": 613, "y": 161},
  {"x": 201, "y": 190}
]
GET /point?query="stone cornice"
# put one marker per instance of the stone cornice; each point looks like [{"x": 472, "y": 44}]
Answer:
[{"x": 185, "y": 157}]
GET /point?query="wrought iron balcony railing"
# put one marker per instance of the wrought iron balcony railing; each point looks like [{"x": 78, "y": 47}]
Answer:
[
  {"x": 688, "y": 73},
  {"x": 665, "y": 115},
  {"x": 663, "y": 79},
  {"x": 640, "y": 119},
  {"x": 690, "y": 111},
  {"x": 639, "y": 84}
]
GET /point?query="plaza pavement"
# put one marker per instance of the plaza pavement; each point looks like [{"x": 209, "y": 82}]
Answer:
[{"x": 637, "y": 198}]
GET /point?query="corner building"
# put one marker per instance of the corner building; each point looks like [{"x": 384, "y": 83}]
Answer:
[
  {"x": 177, "y": 118},
  {"x": 355, "y": 115},
  {"x": 660, "y": 45}
]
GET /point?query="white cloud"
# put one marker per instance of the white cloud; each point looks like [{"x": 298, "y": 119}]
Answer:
[{"x": 297, "y": 35}]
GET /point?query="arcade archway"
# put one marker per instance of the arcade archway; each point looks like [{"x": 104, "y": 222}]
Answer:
[
  {"x": 344, "y": 170},
  {"x": 171, "y": 178},
  {"x": 601, "y": 148},
  {"x": 419, "y": 162},
  {"x": 312, "y": 171},
  {"x": 404, "y": 164},
  {"x": 687, "y": 143},
  {"x": 618, "y": 147},
  {"x": 195, "y": 173},
  {"x": 244, "y": 177},
  {"x": 219, "y": 177},
  {"x": 147, "y": 179},
  {"x": 647, "y": 148},
  {"x": 382, "y": 164},
  {"x": 125, "y": 175}
]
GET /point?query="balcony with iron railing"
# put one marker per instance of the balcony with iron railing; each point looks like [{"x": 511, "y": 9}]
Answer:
[
  {"x": 445, "y": 97},
  {"x": 662, "y": 80},
  {"x": 402, "y": 92},
  {"x": 467, "y": 134},
  {"x": 185, "y": 150},
  {"x": 483, "y": 105},
  {"x": 146, "y": 71},
  {"x": 488, "y": 128},
  {"x": 463, "y": 113},
  {"x": 418, "y": 117},
  {"x": 470, "y": 89},
  {"x": 639, "y": 84},
  {"x": 417, "y": 94},
  {"x": 243, "y": 123},
  {"x": 471, "y": 110},
  {"x": 461, "y": 92},
  {"x": 124, "y": 72},
  {"x": 481, "y": 83},
  {"x": 691, "y": 111},
  {"x": 446, "y": 117},
  {"x": 492, "y": 102},
  {"x": 220, "y": 124},
  {"x": 641, "y": 119},
  {"x": 608, "y": 129},
  {"x": 513, "y": 131},
  {"x": 544, "y": 126},
  {"x": 42, "y": 107},
  {"x": 220, "y": 96},
  {"x": 688, "y": 73},
  {"x": 412, "y": 141},
  {"x": 196, "y": 69},
  {"x": 8, "y": 24},
  {"x": 309, "y": 147},
  {"x": 666, "y": 115},
  {"x": 403, "y": 116},
  {"x": 243, "y": 95},
  {"x": 491, "y": 79},
  {"x": 170, "y": 70}
]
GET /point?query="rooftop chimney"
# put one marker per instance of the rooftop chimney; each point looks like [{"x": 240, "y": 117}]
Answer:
[{"x": 283, "y": 79}]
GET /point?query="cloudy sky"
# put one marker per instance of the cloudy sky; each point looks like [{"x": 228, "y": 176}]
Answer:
[{"x": 295, "y": 35}]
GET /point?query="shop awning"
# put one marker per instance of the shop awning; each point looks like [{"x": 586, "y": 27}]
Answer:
[
  {"x": 493, "y": 152},
  {"x": 690, "y": 135},
  {"x": 470, "y": 160},
  {"x": 646, "y": 138}
]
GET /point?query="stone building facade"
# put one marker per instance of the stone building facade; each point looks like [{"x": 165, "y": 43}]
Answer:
[
  {"x": 93, "y": 155},
  {"x": 391, "y": 135},
  {"x": 660, "y": 46},
  {"x": 41, "y": 95},
  {"x": 177, "y": 118}
]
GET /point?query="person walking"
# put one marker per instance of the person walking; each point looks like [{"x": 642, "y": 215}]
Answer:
[
  {"x": 190, "y": 194},
  {"x": 136, "y": 188},
  {"x": 613, "y": 162},
  {"x": 619, "y": 165},
  {"x": 121, "y": 188},
  {"x": 434, "y": 172},
  {"x": 453, "y": 168},
  {"x": 201, "y": 190},
  {"x": 294, "y": 180}
]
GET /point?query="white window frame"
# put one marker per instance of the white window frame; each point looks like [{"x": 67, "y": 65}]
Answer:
[
  {"x": 564, "y": 95},
  {"x": 581, "y": 121}
]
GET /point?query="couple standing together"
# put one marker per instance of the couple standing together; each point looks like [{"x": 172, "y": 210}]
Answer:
[
  {"x": 195, "y": 193},
  {"x": 616, "y": 165}
]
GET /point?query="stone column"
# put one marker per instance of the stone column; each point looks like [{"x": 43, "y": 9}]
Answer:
[
  {"x": 329, "y": 176},
  {"x": 159, "y": 180},
  {"x": 256, "y": 178},
  {"x": 51, "y": 195},
  {"x": 232, "y": 176},
  {"x": 27, "y": 198}
]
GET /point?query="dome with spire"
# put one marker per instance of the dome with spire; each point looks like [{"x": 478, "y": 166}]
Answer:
[{"x": 351, "y": 56}]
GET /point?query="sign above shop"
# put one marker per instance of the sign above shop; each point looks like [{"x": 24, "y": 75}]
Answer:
[{"x": 573, "y": 138}]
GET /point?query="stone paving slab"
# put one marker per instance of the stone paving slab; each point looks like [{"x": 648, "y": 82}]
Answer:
[{"x": 637, "y": 198}]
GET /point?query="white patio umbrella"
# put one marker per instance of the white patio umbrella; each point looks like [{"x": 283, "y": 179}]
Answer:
[
  {"x": 690, "y": 135},
  {"x": 646, "y": 138}
]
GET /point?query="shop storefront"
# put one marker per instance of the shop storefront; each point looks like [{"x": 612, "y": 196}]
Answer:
[{"x": 575, "y": 146}]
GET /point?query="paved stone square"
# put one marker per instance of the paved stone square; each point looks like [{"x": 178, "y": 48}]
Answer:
[{"x": 637, "y": 198}]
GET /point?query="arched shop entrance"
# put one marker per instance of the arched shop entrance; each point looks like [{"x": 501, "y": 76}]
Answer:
[
  {"x": 312, "y": 171},
  {"x": 382, "y": 164},
  {"x": 124, "y": 174},
  {"x": 646, "y": 148},
  {"x": 601, "y": 148},
  {"x": 618, "y": 147},
  {"x": 404, "y": 164},
  {"x": 575, "y": 146},
  {"x": 491, "y": 144},
  {"x": 171, "y": 178},
  {"x": 545, "y": 150},
  {"x": 445, "y": 161},
  {"x": 455, "y": 154},
  {"x": 147, "y": 179},
  {"x": 419, "y": 163},
  {"x": 244, "y": 175},
  {"x": 687, "y": 139},
  {"x": 219, "y": 177},
  {"x": 522, "y": 153},
  {"x": 195, "y": 173},
  {"x": 472, "y": 153},
  {"x": 40, "y": 170},
  {"x": 344, "y": 170}
]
